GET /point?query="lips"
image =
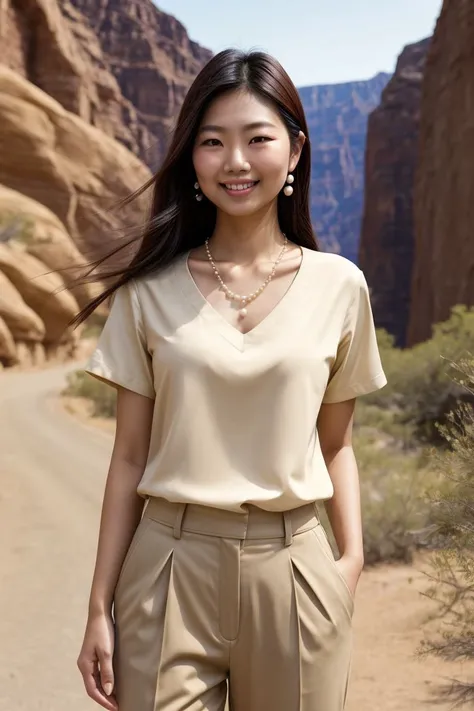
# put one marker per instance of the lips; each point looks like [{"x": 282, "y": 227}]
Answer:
[{"x": 237, "y": 188}]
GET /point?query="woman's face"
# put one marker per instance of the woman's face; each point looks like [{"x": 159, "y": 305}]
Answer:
[{"x": 242, "y": 153}]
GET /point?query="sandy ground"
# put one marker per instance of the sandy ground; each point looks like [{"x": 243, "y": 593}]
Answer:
[{"x": 52, "y": 471}]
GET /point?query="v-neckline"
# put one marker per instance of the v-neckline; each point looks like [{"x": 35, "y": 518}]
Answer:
[{"x": 212, "y": 316}]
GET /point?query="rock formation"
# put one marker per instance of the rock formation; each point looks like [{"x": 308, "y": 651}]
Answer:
[
  {"x": 122, "y": 67},
  {"x": 443, "y": 269},
  {"x": 60, "y": 176},
  {"x": 80, "y": 106},
  {"x": 21, "y": 329},
  {"x": 42, "y": 235},
  {"x": 36, "y": 258},
  {"x": 39, "y": 41},
  {"x": 37, "y": 288},
  {"x": 150, "y": 56},
  {"x": 337, "y": 120},
  {"x": 74, "y": 169},
  {"x": 387, "y": 234}
]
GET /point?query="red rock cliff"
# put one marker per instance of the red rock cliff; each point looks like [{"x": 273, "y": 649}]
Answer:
[
  {"x": 122, "y": 67},
  {"x": 443, "y": 270},
  {"x": 150, "y": 55},
  {"x": 387, "y": 241}
]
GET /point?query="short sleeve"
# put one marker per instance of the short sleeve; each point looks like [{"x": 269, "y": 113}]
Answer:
[
  {"x": 121, "y": 356},
  {"x": 357, "y": 369}
]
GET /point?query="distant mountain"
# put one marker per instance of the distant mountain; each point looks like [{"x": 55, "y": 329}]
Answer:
[{"x": 337, "y": 117}]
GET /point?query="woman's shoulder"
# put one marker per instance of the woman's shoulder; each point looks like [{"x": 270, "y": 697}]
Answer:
[
  {"x": 163, "y": 278},
  {"x": 331, "y": 267}
]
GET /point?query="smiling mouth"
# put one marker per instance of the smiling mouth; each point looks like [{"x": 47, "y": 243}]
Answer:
[{"x": 237, "y": 188}]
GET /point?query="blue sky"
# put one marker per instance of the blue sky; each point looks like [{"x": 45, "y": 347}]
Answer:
[{"x": 317, "y": 41}]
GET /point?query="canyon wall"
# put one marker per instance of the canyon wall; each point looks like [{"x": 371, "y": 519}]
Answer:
[
  {"x": 443, "y": 267},
  {"x": 386, "y": 249}
]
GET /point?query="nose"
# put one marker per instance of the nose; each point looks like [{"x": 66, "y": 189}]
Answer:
[{"x": 236, "y": 162}]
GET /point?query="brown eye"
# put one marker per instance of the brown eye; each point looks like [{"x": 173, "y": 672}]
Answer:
[
  {"x": 260, "y": 139},
  {"x": 211, "y": 142}
]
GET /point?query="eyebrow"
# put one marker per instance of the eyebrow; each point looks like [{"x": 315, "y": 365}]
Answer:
[{"x": 247, "y": 127}]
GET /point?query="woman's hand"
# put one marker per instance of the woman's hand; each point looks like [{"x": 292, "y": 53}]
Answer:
[
  {"x": 350, "y": 569},
  {"x": 95, "y": 660}
]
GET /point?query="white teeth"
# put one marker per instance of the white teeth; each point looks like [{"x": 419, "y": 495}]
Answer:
[{"x": 245, "y": 186}]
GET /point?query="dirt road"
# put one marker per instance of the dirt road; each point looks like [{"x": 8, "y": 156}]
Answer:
[{"x": 52, "y": 474}]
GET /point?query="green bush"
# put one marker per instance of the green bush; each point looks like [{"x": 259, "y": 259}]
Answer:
[
  {"x": 421, "y": 389},
  {"x": 393, "y": 504},
  {"x": 452, "y": 566},
  {"x": 102, "y": 396},
  {"x": 394, "y": 428},
  {"x": 394, "y": 476}
]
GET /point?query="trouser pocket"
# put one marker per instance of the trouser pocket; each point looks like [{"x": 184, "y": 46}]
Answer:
[
  {"x": 138, "y": 536},
  {"x": 323, "y": 541}
]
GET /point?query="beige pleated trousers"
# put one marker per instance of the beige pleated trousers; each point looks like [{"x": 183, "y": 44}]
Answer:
[{"x": 209, "y": 600}]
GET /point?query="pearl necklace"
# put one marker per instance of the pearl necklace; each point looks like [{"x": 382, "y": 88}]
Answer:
[{"x": 245, "y": 300}]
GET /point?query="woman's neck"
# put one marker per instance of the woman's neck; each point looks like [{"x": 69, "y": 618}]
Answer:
[{"x": 246, "y": 239}]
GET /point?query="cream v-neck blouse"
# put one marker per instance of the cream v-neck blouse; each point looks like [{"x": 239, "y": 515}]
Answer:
[{"x": 235, "y": 414}]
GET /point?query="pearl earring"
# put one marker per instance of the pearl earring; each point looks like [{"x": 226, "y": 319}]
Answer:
[
  {"x": 288, "y": 190},
  {"x": 198, "y": 196}
]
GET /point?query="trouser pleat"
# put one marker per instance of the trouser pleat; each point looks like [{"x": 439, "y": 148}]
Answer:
[{"x": 195, "y": 610}]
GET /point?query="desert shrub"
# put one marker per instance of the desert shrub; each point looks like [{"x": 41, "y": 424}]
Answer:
[
  {"x": 385, "y": 424},
  {"x": 101, "y": 395},
  {"x": 394, "y": 477},
  {"x": 94, "y": 325},
  {"x": 15, "y": 226},
  {"x": 421, "y": 390},
  {"x": 394, "y": 428},
  {"x": 452, "y": 527}
]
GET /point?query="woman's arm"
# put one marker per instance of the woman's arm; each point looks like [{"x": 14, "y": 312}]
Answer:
[
  {"x": 122, "y": 507},
  {"x": 121, "y": 512},
  {"x": 335, "y": 422}
]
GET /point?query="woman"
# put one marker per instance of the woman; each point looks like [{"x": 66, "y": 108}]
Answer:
[{"x": 238, "y": 349}]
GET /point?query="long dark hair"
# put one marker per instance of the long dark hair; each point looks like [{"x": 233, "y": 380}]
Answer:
[{"x": 177, "y": 222}]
